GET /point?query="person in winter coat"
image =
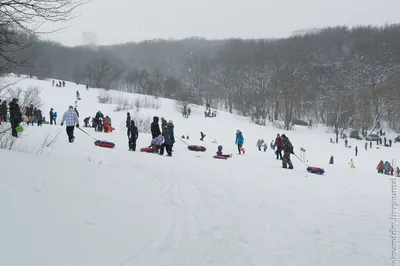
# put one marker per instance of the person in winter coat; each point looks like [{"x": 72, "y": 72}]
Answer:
[
  {"x": 397, "y": 171},
  {"x": 71, "y": 120},
  {"x": 55, "y": 118},
  {"x": 167, "y": 142},
  {"x": 265, "y": 147},
  {"x": 29, "y": 114},
  {"x": 39, "y": 117},
  {"x": 128, "y": 121},
  {"x": 259, "y": 144},
  {"x": 156, "y": 143},
  {"x": 86, "y": 121},
  {"x": 331, "y": 160},
  {"x": 380, "y": 167},
  {"x": 278, "y": 145},
  {"x": 356, "y": 150},
  {"x": 239, "y": 141},
  {"x": 133, "y": 135},
  {"x": 219, "y": 152},
  {"x": 15, "y": 116},
  {"x": 3, "y": 111},
  {"x": 99, "y": 116},
  {"x": 51, "y": 115},
  {"x": 163, "y": 122},
  {"x": 287, "y": 148},
  {"x": 76, "y": 111},
  {"x": 170, "y": 126},
  {"x": 387, "y": 167},
  {"x": 366, "y": 146},
  {"x": 155, "y": 128},
  {"x": 202, "y": 136}
]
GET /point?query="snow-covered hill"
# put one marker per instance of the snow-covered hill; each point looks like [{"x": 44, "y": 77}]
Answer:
[{"x": 78, "y": 204}]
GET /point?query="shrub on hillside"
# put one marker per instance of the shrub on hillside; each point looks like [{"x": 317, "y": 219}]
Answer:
[
  {"x": 123, "y": 104},
  {"x": 104, "y": 97},
  {"x": 147, "y": 102},
  {"x": 143, "y": 123}
]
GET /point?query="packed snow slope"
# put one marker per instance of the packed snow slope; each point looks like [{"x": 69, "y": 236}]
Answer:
[{"x": 78, "y": 204}]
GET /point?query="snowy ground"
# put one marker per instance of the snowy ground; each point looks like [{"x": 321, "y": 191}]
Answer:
[{"x": 77, "y": 204}]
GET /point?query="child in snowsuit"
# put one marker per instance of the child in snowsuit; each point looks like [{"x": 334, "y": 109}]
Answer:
[
  {"x": 239, "y": 141},
  {"x": 219, "y": 152},
  {"x": 133, "y": 135},
  {"x": 156, "y": 143},
  {"x": 351, "y": 163},
  {"x": 265, "y": 147},
  {"x": 387, "y": 167}
]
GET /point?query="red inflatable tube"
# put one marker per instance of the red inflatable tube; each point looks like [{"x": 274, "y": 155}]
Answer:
[
  {"x": 150, "y": 150},
  {"x": 104, "y": 144}
]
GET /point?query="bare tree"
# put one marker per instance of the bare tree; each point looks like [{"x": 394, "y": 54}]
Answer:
[{"x": 20, "y": 21}]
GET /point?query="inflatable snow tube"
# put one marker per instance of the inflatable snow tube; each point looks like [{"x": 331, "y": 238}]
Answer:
[
  {"x": 104, "y": 144},
  {"x": 196, "y": 148},
  {"x": 19, "y": 129},
  {"x": 316, "y": 170},
  {"x": 152, "y": 150},
  {"x": 220, "y": 157}
]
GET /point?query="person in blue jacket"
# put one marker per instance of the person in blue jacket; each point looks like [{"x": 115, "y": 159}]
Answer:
[
  {"x": 170, "y": 126},
  {"x": 239, "y": 141}
]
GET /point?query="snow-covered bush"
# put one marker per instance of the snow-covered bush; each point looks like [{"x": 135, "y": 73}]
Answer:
[
  {"x": 123, "y": 104},
  {"x": 143, "y": 123},
  {"x": 104, "y": 97},
  {"x": 147, "y": 102}
]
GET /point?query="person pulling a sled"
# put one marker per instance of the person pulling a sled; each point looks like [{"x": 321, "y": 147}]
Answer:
[
  {"x": 239, "y": 141},
  {"x": 71, "y": 120},
  {"x": 287, "y": 148},
  {"x": 133, "y": 135}
]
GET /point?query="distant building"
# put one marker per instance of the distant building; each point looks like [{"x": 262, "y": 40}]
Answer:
[{"x": 89, "y": 39}]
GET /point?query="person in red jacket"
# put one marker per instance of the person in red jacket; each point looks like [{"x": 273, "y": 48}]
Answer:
[{"x": 278, "y": 145}]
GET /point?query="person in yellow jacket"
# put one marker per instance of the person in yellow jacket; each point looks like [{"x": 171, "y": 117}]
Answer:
[{"x": 351, "y": 163}]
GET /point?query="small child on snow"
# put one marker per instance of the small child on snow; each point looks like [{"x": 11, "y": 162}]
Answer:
[
  {"x": 219, "y": 152},
  {"x": 265, "y": 147},
  {"x": 157, "y": 142}
]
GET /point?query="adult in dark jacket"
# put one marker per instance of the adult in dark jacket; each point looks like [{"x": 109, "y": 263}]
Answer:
[
  {"x": 15, "y": 116},
  {"x": 128, "y": 120},
  {"x": 170, "y": 126},
  {"x": 155, "y": 128},
  {"x": 51, "y": 114},
  {"x": 133, "y": 135},
  {"x": 287, "y": 148},
  {"x": 39, "y": 117},
  {"x": 3, "y": 111},
  {"x": 167, "y": 142},
  {"x": 278, "y": 145}
]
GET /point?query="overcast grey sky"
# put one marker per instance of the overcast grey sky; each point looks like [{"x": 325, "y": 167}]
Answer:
[{"x": 118, "y": 21}]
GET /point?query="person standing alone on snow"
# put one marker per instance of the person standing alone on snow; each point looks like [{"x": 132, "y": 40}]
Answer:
[
  {"x": 287, "y": 148},
  {"x": 71, "y": 119},
  {"x": 133, "y": 135},
  {"x": 239, "y": 141}
]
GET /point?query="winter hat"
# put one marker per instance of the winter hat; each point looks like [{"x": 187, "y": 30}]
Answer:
[
  {"x": 238, "y": 131},
  {"x": 70, "y": 107},
  {"x": 283, "y": 136},
  {"x": 171, "y": 122}
]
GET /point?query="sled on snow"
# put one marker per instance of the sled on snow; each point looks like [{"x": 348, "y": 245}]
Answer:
[
  {"x": 104, "y": 144},
  {"x": 315, "y": 170},
  {"x": 196, "y": 148},
  {"x": 224, "y": 156},
  {"x": 150, "y": 150}
]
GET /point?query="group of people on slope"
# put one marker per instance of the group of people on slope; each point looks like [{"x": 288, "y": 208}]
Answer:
[
  {"x": 282, "y": 143},
  {"x": 100, "y": 122},
  {"x": 33, "y": 115},
  {"x": 164, "y": 138},
  {"x": 387, "y": 169}
]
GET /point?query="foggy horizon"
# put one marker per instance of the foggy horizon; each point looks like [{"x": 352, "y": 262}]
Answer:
[{"x": 125, "y": 21}]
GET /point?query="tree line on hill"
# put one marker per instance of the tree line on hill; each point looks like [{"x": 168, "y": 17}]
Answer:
[{"x": 337, "y": 76}]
